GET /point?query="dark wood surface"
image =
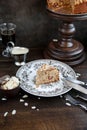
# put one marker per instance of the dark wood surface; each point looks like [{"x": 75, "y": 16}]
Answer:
[{"x": 50, "y": 113}]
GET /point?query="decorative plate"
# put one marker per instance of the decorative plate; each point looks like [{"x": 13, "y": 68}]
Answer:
[{"x": 27, "y": 76}]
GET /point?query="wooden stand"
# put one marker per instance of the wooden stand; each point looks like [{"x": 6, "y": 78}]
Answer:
[{"x": 66, "y": 49}]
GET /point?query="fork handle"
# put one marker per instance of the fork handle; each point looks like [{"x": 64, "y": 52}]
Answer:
[{"x": 83, "y": 106}]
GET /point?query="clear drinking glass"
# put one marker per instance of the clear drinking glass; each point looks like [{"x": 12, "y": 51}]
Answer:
[{"x": 7, "y": 33}]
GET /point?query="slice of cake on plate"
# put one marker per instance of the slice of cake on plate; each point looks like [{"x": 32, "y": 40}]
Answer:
[{"x": 47, "y": 74}]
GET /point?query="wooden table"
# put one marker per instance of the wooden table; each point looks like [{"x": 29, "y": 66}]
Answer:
[{"x": 41, "y": 113}]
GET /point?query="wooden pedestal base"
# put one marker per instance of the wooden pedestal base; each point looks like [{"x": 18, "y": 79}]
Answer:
[
  {"x": 73, "y": 55},
  {"x": 66, "y": 49}
]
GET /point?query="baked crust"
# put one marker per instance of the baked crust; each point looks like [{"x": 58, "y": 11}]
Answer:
[{"x": 68, "y": 6}]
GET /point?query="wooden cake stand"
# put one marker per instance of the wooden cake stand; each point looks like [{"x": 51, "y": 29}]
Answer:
[{"x": 66, "y": 49}]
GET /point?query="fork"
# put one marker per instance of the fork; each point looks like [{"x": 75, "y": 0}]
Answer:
[
  {"x": 81, "y": 96},
  {"x": 75, "y": 102}
]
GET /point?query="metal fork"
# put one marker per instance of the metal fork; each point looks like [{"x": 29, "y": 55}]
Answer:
[
  {"x": 75, "y": 102},
  {"x": 81, "y": 96}
]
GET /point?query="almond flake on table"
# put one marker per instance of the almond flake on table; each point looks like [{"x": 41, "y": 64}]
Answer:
[
  {"x": 25, "y": 96},
  {"x": 3, "y": 99},
  {"x": 13, "y": 112},
  {"x": 5, "y": 114},
  {"x": 78, "y": 75},
  {"x": 26, "y": 104},
  {"x": 33, "y": 107},
  {"x": 68, "y": 104},
  {"x": 38, "y": 97},
  {"x": 21, "y": 100},
  {"x": 37, "y": 109},
  {"x": 61, "y": 96}
]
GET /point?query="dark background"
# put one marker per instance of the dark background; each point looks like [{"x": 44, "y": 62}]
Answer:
[{"x": 35, "y": 28}]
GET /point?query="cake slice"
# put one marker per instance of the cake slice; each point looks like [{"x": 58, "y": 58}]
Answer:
[{"x": 47, "y": 74}]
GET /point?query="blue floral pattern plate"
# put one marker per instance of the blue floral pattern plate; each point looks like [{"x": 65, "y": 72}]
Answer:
[{"x": 27, "y": 76}]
